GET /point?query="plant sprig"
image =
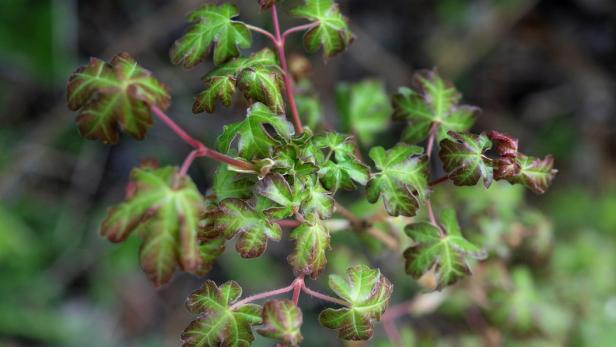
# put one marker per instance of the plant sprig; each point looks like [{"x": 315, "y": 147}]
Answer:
[{"x": 277, "y": 175}]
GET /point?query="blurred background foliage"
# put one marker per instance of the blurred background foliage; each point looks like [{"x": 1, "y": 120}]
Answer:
[{"x": 542, "y": 70}]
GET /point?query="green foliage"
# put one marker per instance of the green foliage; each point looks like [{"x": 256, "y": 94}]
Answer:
[
  {"x": 464, "y": 160},
  {"x": 441, "y": 249},
  {"x": 220, "y": 323},
  {"x": 364, "y": 109},
  {"x": 402, "y": 179},
  {"x": 311, "y": 242},
  {"x": 282, "y": 320},
  {"x": 433, "y": 103},
  {"x": 330, "y": 31},
  {"x": 258, "y": 76},
  {"x": 212, "y": 29},
  {"x": 236, "y": 216},
  {"x": 164, "y": 208},
  {"x": 253, "y": 138},
  {"x": 368, "y": 292},
  {"x": 276, "y": 175},
  {"x": 108, "y": 95}
]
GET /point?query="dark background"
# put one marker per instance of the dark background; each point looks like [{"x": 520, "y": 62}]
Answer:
[{"x": 544, "y": 71}]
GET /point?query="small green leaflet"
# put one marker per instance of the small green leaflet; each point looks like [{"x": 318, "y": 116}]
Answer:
[
  {"x": 402, "y": 179},
  {"x": 236, "y": 216},
  {"x": 445, "y": 253},
  {"x": 219, "y": 323},
  {"x": 112, "y": 95},
  {"x": 212, "y": 29},
  {"x": 311, "y": 242},
  {"x": 368, "y": 292},
  {"x": 258, "y": 76},
  {"x": 315, "y": 199},
  {"x": 282, "y": 321},
  {"x": 364, "y": 109},
  {"x": 287, "y": 197},
  {"x": 534, "y": 173},
  {"x": 344, "y": 170},
  {"x": 230, "y": 184},
  {"x": 464, "y": 160},
  {"x": 330, "y": 31},
  {"x": 254, "y": 140},
  {"x": 519, "y": 305},
  {"x": 165, "y": 208},
  {"x": 434, "y": 101}
]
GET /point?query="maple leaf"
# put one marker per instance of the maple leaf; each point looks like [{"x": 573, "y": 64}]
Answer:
[
  {"x": 258, "y": 76},
  {"x": 345, "y": 170},
  {"x": 445, "y": 253},
  {"x": 330, "y": 31},
  {"x": 165, "y": 208},
  {"x": 236, "y": 216},
  {"x": 287, "y": 197},
  {"x": 464, "y": 160},
  {"x": 368, "y": 292},
  {"x": 254, "y": 140},
  {"x": 316, "y": 199},
  {"x": 219, "y": 322},
  {"x": 435, "y": 101},
  {"x": 212, "y": 29},
  {"x": 230, "y": 184},
  {"x": 311, "y": 242},
  {"x": 402, "y": 179},
  {"x": 364, "y": 109},
  {"x": 505, "y": 145},
  {"x": 282, "y": 320},
  {"x": 112, "y": 95},
  {"x": 534, "y": 173}
]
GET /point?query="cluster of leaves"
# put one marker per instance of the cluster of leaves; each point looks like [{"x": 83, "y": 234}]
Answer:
[
  {"x": 293, "y": 176},
  {"x": 223, "y": 320}
]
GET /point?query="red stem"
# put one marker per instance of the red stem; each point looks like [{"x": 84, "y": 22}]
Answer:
[
  {"x": 324, "y": 297},
  {"x": 265, "y": 295},
  {"x": 393, "y": 335},
  {"x": 298, "y": 28},
  {"x": 288, "y": 223},
  {"x": 263, "y": 32},
  {"x": 297, "y": 289},
  {"x": 200, "y": 149},
  {"x": 438, "y": 180},
  {"x": 279, "y": 43}
]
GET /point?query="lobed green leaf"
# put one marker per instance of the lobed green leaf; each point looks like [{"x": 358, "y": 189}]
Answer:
[
  {"x": 402, "y": 179},
  {"x": 464, "y": 160},
  {"x": 311, "y": 243},
  {"x": 112, "y": 95},
  {"x": 368, "y": 293},
  {"x": 219, "y": 323},
  {"x": 212, "y": 29}
]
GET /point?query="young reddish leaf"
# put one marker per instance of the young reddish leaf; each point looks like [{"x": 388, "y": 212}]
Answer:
[
  {"x": 254, "y": 140},
  {"x": 282, "y": 320},
  {"x": 505, "y": 167},
  {"x": 258, "y": 76},
  {"x": 505, "y": 145},
  {"x": 534, "y": 173},
  {"x": 311, "y": 242},
  {"x": 330, "y": 31},
  {"x": 112, "y": 95},
  {"x": 368, "y": 292},
  {"x": 219, "y": 323},
  {"x": 254, "y": 228},
  {"x": 434, "y": 100},
  {"x": 212, "y": 29},
  {"x": 464, "y": 160},
  {"x": 230, "y": 184},
  {"x": 344, "y": 174},
  {"x": 165, "y": 208},
  {"x": 445, "y": 254},
  {"x": 364, "y": 109},
  {"x": 402, "y": 179}
]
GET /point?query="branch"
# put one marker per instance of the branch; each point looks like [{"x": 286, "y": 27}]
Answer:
[
  {"x": 264, "y": 295},
  {"x": 298, "y": 28},
  {"x": 263, "y": 32},
  {"x": 324, "y": 297},
  {"x": 200, "y": 149},
  {"x": 279, "y": 43},
  {"x": 360, "y": 224}
]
